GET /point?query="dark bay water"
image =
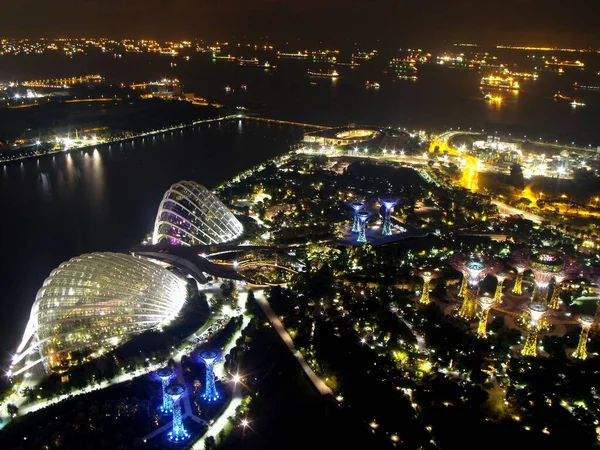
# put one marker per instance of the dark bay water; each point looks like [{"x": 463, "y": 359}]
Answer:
[{"x": 57, "y": 207}]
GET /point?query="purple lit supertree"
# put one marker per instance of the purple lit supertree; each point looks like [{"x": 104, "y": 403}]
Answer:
[
  {"x": 570, "y": 270},
  {"x": 387, "y": 204},
  {"x": 592, "y": 274},
  {"x": 356, "y": 207},
  {"x": 363, "y": 216},
  {"x": 209, "y": 358},
  {"x": 474, "y": 269},
  {"x": 546, "y": 265},
  {"x": 165, "y": 374},
  {"x": 518, "y": 261},
  {"x": 178, "y": 433}
]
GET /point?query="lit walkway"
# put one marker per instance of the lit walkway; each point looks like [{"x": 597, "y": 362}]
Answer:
[{"x": 264, "y": 304}]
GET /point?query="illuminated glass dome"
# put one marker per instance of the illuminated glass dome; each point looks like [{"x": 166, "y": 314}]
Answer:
[
  {"x": 190, "y": 214},
  {"x": 92, "y": 303}
]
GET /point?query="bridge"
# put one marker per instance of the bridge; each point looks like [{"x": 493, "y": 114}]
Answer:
[
  {"x": 188, "y": 261},
  {"x": 287, "y": 122}
]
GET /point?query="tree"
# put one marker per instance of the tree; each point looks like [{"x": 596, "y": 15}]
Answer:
[
  {"x": 516, "y": 176},
  {"x": 12, "y": 410}
]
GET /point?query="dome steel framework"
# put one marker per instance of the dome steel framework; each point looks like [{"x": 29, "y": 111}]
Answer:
[
  {"x": 91, "y": 304},
  {"x": 189, "y": 214}
]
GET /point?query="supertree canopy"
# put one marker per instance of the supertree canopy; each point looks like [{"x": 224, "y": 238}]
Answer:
[
  {"x": 427, "y": 275},
  {"x": 474, "y": 269},
  {"x": 209, "y": 358},
  {"x": 586, "y": 323},
  {"x": 536, "y": 313},
  {"x": 592, "y": 274},
  {"x": 519, "y": 261},
  {"x": 486, "y": 304},
  {"x": 363, "y": 216},
  {"x": 178, "y": 433},
  {"x": 165, "y": 374},
  {"x": 570, "y": 269},
  {"x": 500, "y": 276},
  {"x": 547, "y": 265},
  {"x": 356, "y": 207},
  {"x": 387, "y": 204}
]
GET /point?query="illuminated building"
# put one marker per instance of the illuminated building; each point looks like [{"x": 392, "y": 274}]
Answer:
[
  {"x": 178, "y": 433},
  {"x": 519, "y": 262},
  {"x": 189, "y": 214},
  {"x": 536, "y": 312},
  {"x": 165, "y": 375},
  {"x": 356, "y": 207},
  {"x": 91, "y": 304},
  {"x": 363, "y": 216},
  {"x": 586, "y": 323},
  {"x": 486, "y": 304},
  {"x": 387, "y": 204},
  {"x": 209, "y": 358},
  {"x": 558, "y": 279},
  {"x": 592, "y": 274},
  {"x": 500, "y": 276},
  {"x": 569, "y": 270}
]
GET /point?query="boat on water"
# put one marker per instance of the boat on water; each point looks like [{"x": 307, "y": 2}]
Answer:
[
  {"x": 244, "y": 87},
  {"x": 493, "y": 98},
  {"x": 576, "y": 104},
  {"x": 328, "y": 74},
  {"x": 584, "y": 87},
  {"x": 372, "y": 84},
  {"x": 499, "y": 82},
  {"x": 227, "y": 88},
  {"x": 559, "y": 96}
]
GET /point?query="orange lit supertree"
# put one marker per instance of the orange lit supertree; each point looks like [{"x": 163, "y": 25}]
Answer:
[
  {"x": 586, "y": 323},
  {"x": 427, "y": 274},
  {"x": 500, "y": 276},
  {"x": 570, "y": 269},
  {"x": 536, "y": 313},
  {"x": 486, "y": 304},
  {"x": 518, "y": 261},
  {"x": 474, "y": 269}
]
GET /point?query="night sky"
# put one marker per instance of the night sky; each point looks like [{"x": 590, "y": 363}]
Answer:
[{"x": 549, "y": 22}]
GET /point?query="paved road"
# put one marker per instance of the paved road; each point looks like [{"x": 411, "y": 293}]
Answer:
[
  {"x": 507, "y": 209},
  {"x": 266, "y": 307}
]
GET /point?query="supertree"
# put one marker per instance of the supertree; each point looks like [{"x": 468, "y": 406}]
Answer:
[
  {"x": 474, "y": 270},
  {"x": 165, "y": 374},
  {"x": 518, "y": 261},
  {"x": 586, "y": 323},
  {"x": 486, "y": 304},
  {"x": 356, "y": 207},
  {"x": 178, "y": 433},
  {"x": 536, "y": 313},
  {"x": 363, "y": 216},
  {"x": 500, "y": 276},
  {"x": 545, "y": 264},
  {"x": 387, "y": 204},
  {"x": 569, "y": 270},
  {"x": 209, "y": 358},
  {"x": 592, "y": 274},
  {"x": 427, "y": 275}
]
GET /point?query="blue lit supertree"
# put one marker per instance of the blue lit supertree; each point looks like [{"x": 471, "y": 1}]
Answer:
[
  {"x": 362, "y": 220},
  {"x": 388, "y": 204},
  {"x": 356, "y": 206},
  {"x": 165, "y": 375},
  {"x": 209, "y": 358},
  {"x": 178, "y": 433}
]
